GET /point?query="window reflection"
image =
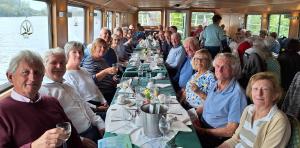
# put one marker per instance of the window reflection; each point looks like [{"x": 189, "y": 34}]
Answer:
[
  {"x": 76, "y": 24},
  {"x": 32, "y": 34},
  {"x": 254, "y": 23},
  {"x": 149, "y": 18},
  {"x": 97, "y": 23}
]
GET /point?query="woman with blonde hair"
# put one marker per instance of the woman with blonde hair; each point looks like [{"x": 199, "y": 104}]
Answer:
[
  {"x": 202, "y": 81},
  {"x": 101, "y": 72},
  {"x": 262, "y": 124}
]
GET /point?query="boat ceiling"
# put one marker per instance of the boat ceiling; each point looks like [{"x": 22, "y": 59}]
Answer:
[{"x": 221, "y": 5}]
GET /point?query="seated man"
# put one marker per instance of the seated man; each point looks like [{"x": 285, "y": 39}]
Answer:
[
  {"x": 86, "y": 122},
  {"x": 28, "y": 119},
  {"x": 176, "y": 55},
  {"x": 224, "y": 104}
]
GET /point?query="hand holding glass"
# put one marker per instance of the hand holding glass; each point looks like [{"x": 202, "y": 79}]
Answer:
[{"x": 68, "y": 129}]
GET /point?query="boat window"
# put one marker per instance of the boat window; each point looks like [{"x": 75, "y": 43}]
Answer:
[
  {"x": 97, "y": 23},
  {"x": 179, "y": 20},
  {"x": 24, "y": 25},
  {"x": 118, "y": 20},
  {"x": 109, "y": 20},
  {"x": 201, "y": 18},
  {"x": 254, "y": 23},
  {"x": 280, "y": 24},
  {"x": 149, "y": 18},
  {"x": 75, "y": 24}
]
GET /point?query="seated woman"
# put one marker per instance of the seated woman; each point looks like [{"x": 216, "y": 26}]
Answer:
[
  {"x": 119, "y": 48},
  {"x": 80, "y": 79},
  {"x": 201, "y": 82},
  {"x": 262, "y": 123},
  {"x": 102, "y": 74},
  {"x": 224, "y": 104}
]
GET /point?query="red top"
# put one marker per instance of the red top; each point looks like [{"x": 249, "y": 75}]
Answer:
[
  {"x": 242, "y": 48},
  {"x": 22, "y": 123}
]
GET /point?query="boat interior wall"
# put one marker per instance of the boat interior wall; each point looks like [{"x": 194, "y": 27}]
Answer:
[{"x": 60, "y": 29}]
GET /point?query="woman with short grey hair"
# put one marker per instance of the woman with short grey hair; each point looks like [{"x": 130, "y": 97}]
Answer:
[{"x": 80, "y": 79}]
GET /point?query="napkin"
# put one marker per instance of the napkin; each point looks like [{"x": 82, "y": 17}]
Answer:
[
  {"x": 155, "y": 67},
  {"x": 123, "y": 82},
  {"x": 162, "y": 85},
  {"x": 127, "y": 90},
  {"x": 180, "y": 126}
]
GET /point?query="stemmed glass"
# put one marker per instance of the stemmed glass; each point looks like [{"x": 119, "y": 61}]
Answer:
[
  {"x": 68, "y": 129},
  {"x": 164, "y": 127},
  {"x": 116, "y": 66}
]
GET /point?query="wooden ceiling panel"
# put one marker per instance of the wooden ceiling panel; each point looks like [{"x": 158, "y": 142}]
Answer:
[{"x": 232, "y": 5}]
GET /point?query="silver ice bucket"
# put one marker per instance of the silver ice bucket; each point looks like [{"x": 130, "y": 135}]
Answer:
[{"x": 150, "y": 120}]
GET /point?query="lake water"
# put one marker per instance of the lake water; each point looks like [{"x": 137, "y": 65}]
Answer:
[{"x": 11, "y": 41}]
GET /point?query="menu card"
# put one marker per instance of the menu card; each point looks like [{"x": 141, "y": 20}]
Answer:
[{"x": 119, "y": 141}]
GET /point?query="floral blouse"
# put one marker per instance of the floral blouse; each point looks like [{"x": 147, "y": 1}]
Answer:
[{"x": 205, "y": 82}]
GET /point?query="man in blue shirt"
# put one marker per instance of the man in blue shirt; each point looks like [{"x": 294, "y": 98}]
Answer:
[
  {"x": 224, "y": 104},
  {"x": 191, "y": 45},
  {"x": 176, "y": 55}
]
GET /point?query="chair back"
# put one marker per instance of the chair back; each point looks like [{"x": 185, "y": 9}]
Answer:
[{"x": 294, "y": 141}]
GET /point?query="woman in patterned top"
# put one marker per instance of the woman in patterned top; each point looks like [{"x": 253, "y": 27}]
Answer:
[{"x": 200, "y": 83}]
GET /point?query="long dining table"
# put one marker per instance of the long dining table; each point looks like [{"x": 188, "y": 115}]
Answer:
[{"x": 182, "y": 139}]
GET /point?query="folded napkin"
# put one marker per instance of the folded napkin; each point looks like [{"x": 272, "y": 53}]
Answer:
[
  {"x": 180, "y": 126},
  {"x": 155, "y": 67},
  {"x": 162, "y": 85},
  {"x": 125, "y": 82},
  {"x": 127, "y": 90},
  {"x": 139, "y": 138}
]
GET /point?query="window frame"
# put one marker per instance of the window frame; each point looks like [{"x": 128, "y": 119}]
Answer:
[
  {"x": 107, "y": 20},
  {"x": 84, "y": 20},
  {"x": 279, "y": 23},
  {"x": 246, "y": 22},
  {"x": 151, "y": 26},
  {"x": 101, "y": 21},
  {"x": 202, "y": 12}
]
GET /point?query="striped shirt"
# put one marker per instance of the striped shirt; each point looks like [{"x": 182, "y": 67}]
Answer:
[
  {"x": 106, "y": 85},
  {"x": 249, "y": 131}
]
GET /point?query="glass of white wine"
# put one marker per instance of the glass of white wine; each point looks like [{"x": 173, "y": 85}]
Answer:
[{"x": 68, "y": 129}]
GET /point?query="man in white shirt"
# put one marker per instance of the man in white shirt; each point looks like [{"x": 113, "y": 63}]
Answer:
[{"x": 86, "y": 122}]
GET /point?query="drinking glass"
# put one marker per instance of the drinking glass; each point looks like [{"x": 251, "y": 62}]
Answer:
[
  {"x": 67, "y": 127},
  {"x": 116, "y": 76},
  {"x": 148, "y": 75},
  {"x": 140, "y": 71},
  {"x": 164, "y": 127}
]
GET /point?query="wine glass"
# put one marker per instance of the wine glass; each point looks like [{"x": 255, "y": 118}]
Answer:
[
  {"x": 164, "y": 127},
  {"x": 67, "y": 127},
  {"x": 140, "y": 71}
]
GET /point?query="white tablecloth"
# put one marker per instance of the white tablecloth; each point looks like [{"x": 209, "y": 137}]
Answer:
[{"x": 118, "y": 121}]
